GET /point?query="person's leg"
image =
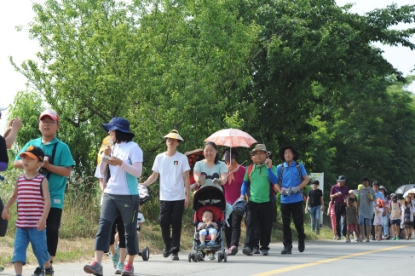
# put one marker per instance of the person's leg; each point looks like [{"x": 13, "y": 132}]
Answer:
[
  {"x": 213, "y": 235},
  {"x": 53, "y": 223},
  {"x": 286, "y": 221},
  {"x": 298, "y": 218},
  {"x": 39, "y": 246},
  {"x": 21, "y": 242},
  {"x": 228, "y": 230},
  {"x": 343, "y": 214},
  {"x": 313, "y": 218},
  {"x": 317, "y": 218},
  {"x": 385, "y": 224},
  {"x": 165, "y": 222},
  {"x": 176, "y": 225},
  {"x": 265, "y": 222},
  {"x": 333, "y": 224},
  {"x": 251, "y": 224},
  {"x": 362, "y": 227},
  {"x": 108, "y": 215},
  {"x": 369, "y": 227},
  {"x": 236, "y": 228},
  {"x": 127, "y": 206},
  {"x": 372, "y": 229},
  {"x": 121, "y": 237},
  {"x": 337, "y": 210},
  {"x": 202, "y": 236}
]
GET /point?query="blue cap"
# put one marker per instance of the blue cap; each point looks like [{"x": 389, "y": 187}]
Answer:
[{"x": 118, "y": 123}]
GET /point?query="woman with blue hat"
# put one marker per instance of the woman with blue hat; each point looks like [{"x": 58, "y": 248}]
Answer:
[{"x": 121, "y": 165}]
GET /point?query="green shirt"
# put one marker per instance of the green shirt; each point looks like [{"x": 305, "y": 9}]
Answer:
[
  {"x": 63, "y": 158},
  {"x": 259, "y": 187}
]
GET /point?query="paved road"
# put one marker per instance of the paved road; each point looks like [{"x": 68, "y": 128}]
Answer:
[{"x": 320, "y": 258}]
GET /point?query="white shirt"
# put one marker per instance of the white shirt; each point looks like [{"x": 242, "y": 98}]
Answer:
[
  {"x": 171, "y": 170},
  {"x": 121, "y": 182}
]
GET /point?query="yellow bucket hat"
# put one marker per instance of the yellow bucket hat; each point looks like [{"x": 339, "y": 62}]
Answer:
[{"x": 174, "y": 134}]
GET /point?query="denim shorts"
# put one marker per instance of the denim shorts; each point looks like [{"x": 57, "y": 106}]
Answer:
[
  {"x": 36, "y": 238},
  {"x": 396, "y": 222},
  {"x": 364, "y": 221}
]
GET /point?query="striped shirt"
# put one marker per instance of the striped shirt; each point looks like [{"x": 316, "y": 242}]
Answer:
[{"x": 30, "y": 202}]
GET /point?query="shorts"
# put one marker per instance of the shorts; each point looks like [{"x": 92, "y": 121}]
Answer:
[
  {"x": 23, "y": 237},
  {"x": 396, "y": 222},
  {"x": 364, "y": 221},
  {"x": 204, "y": 232},
  {"x": 377, "y": 221}
]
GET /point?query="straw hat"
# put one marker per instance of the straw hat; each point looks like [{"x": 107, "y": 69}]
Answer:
[{"x": 174, "y": 134}]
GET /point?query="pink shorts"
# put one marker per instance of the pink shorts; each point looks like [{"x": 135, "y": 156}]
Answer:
[
  {"x": 377, "y": 220},
  {"x": 333, "y": 221}
]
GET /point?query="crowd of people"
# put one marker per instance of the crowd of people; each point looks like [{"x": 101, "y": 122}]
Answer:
[
  {"x": 47, "y": 162},
  {"x": 369, "y": 212}
]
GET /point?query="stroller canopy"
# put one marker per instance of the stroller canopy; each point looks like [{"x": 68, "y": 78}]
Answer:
[{"x": 209, "y": 195}]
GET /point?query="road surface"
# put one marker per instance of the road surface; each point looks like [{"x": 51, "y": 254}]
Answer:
[{"x": 319, "y": 258}]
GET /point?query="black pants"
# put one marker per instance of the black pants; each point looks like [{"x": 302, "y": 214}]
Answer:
[
  {"x": 171, "y": 213},
  {"x": 274, "y": 220},
  {"x": 294, "y": 210},
  {"x": 340, "y": 211},
  {"x": 258, "y": 213},
  {"x": 119, "y": 226},
  {"x": 233, "y": 231},
  {"x": 53, "y": 223}
]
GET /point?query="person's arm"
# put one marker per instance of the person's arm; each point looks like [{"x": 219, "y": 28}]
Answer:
[
  {"x": 306, "y": 180},
  {"x": 135, "y": 169},
  {"x": 201, "y": 226},
  {"x": 11, "y": 132},
  {"x": 59, "y": 170},
  {"x": 223, "y": 178},
  {"x": 215, "y": 225},
  {"x": 244, "y": 188},
  {"x": 46, "y": 198},
  {"x": 306, "y": 203},
  {"x": 322, "y": 202},
  {"x": 187, "y": 188},
  {"x": 151, "y": 179},
  {"x": 358, "y": 201},
  {"x": 12, "y": 199},
  {"x": 101, "y": 184}
]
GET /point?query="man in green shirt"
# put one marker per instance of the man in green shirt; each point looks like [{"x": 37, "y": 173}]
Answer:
[{"x": 259, "y": 185}]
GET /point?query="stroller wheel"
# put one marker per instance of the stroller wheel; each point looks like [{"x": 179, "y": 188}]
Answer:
[
  {"x": 145, "y": 254},
  {"x": 220, "y": 256},
  {"x": 225, "y": 257},
  {"x": 189, "y": 257},
  {"x": 200, "y": 257}
]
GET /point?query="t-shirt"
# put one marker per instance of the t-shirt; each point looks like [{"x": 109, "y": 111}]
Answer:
[
  {"x": 259, "y": 185},
  {"x": 120, "y": 181},
  {"x": 233, "y": 185},
  {"x": 315, "y": 197},
  {"x": 210, "y": 173},
  {"x": 62, "y": 158},
  {"x": 171, "y": 170},
  {"x": 395, "y": 209},
  {"x": 291, "y": 178},
  {"x": 366, "y": 206},
  {"x": 343, "y": 189}
]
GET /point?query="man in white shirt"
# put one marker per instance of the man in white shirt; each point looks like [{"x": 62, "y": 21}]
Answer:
[{"x": 173, "y": 168}]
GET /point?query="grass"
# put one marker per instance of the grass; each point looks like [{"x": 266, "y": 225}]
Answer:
[{"x": 80, "y": 223}]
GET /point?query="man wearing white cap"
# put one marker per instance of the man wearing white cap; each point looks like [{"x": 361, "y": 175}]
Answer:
[
  {"x": 173, "y": 168},
  {"x": 56, "y": 167}
]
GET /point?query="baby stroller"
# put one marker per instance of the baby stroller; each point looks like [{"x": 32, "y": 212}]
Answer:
[
  {"x": 145, "y": 193},
  {"x": 209, "y": 198}
]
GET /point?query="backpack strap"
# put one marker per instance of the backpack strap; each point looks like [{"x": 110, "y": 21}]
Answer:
[
  {"x": 51, "y": 159},
  {"x": 250, "y": 171}
]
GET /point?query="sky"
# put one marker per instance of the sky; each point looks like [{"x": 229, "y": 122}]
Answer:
[{"x": 18, "y": 45}]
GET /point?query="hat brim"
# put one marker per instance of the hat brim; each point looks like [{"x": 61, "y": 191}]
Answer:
[
  {"x": 174, "y": 136},
  {"x": 29, "y": 154},
  {"x": 50, "y": 116},
  {"x": 2, "y": 108},
  {"x": 108, "y": 128},
  {"x": 282, "y": 151}
]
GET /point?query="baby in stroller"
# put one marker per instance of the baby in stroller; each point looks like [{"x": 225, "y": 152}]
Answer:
[
  {"x": 209, "y": 207},
  {"x": 207, "y": 227}
]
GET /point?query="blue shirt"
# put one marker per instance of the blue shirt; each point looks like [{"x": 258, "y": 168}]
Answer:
[
  {"x": 290, "y": 179},
  {"x": 62, "y": 158}
]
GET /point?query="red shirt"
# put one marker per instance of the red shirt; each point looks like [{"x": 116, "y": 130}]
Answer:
[{"x": 233, "y": 185}]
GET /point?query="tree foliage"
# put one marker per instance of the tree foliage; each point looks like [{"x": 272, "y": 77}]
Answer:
[{"x": 300, "y": 72}]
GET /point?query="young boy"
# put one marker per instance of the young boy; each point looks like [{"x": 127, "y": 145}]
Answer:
[
  {"x": 31, "y": 189},
  {"x": 57, "y": 165},
  {"x": 316, "y": 203},
  {"x": 173, "y": 168}
]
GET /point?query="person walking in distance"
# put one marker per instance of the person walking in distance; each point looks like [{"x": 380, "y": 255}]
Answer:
[
  {"x": 57, "y": 166},
  {"x": 173, "y": 168},
  {"x": 339, "y": 192},
  {"x": 316, "y": 202},
  {"x": 365, "y": 208},
  {"x": 293, "y": 177}
]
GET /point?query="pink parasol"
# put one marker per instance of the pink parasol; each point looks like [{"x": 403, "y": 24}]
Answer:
[{"x": 231, "y": 138}]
